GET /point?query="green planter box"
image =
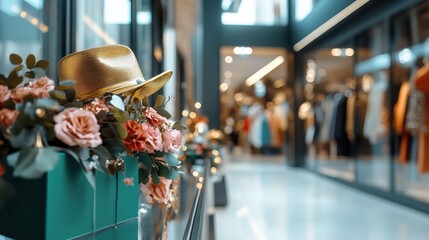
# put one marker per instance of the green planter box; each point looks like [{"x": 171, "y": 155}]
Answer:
[{"x": 60, "y": 205}]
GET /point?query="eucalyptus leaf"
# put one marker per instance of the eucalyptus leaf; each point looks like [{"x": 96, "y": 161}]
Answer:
[
  {"x": 143, "y": 176},
  {"x": 13, "y": 80},
  {"x": 42, "y": 64},
  {"x": 15, "y": 59},
  {"x": 58, "y": 94},
  {"x": 38, "y": 72},
  {"x": 155, "y": 178},
  {"x": 121, "y": 116},
  {"x": 157, "y": 154},
  {"x": 31, "y": 61},
  {"x": 32, "y": 163},
  {"x": 121, "y": 130},
  {"x": 2, "y": 77},
  {"x": 47, "y": 103},
  {"x": 159, "y": 101},
  {"x": 171, "y": 159},
  {"x": 114, "y": 145},
  {"x": 146, "y": 160},
  {"x": 178, "y": 126},
  {"x": 163, "y": 112},
  {"x": 30, "y": 74},
  {"x": 24, "y": 139}
]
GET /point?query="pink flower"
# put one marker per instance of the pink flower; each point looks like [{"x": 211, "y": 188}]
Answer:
[
  {"x": 76, "y": 127},
  {"x": 172, "y": 140},
  {"x": 41, "y": 87},
  {"x": 5, "y": 93},
  {"x": 153, "y": 117},
  {"x": 19, "y": 93},
  {"x": 7, "y": 117},
  {"x": 135, "y": 140},
  {"x": 146, "y": 189},
  {"x": 96, "y": 106},
  {"x": 129, "y": 181},
  {"x": 153, "y": 140},
  {"x": 159, "y": 192}
]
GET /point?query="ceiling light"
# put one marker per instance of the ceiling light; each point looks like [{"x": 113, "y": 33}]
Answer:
[
  {"x": 228, "y": 59},
  {"x": 243, "y": 50},
  {"x": 228, "y": 74},
  {"x": 224, "y": 87},
  {"x": 185, "y": 113},
  {"x": 329, "y": 24},
  {"x": 336, "y": 52},
  {"x": 264, "y": 71},
  {"x": 349, "y": 52},
  {"x": 197, "y": 105}
]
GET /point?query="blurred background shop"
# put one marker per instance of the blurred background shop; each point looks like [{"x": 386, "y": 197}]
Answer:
[{"x": 308, "y": 94}]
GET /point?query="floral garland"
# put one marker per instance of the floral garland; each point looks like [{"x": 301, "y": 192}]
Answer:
[{"x": 38, "y": 120}]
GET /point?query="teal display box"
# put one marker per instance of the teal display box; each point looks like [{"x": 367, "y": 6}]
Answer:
[{"x": 63, "y": 205}]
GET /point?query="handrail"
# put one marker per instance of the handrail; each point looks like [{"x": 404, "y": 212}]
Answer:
[{"x": 194, "y": 226}]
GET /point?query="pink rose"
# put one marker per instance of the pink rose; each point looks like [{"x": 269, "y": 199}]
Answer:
[
  {"x": 41, "y": 87},
  {"x": 5, "y": 93},
  {"x": 153, "y": 141},
  {"x": 135, "y": 140},
  {"x": 159, "y": 192},
  {"x": 7, "y": 117},
  {"x": 96, "y": 106},
  {"x": 19, "y": 93},
  {"x": 129, "y": 181},
  {"x": 76, "y": 127},
  {"x": 172, "y": 140},
  {"x": 153, "y": 117}
]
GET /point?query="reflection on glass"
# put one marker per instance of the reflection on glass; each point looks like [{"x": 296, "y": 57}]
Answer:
[
  {"x": 372, "y": 108},
  {"x": 102, "y": 22},
  {"x": 326, "y": 112},
  {"x": 254, "y": 12},
  {"x": 411, "y": 155},
  {"x": 28, "y": 18}
]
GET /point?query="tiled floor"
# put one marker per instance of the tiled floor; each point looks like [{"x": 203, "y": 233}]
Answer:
[{"x": 268, "y": 200}]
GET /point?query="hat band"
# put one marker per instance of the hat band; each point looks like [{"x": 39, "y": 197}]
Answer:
[{"x": 116, "y": 89}]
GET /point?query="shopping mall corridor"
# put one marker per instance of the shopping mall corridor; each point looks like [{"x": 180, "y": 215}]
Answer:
[{"x": 268, "y": 200}]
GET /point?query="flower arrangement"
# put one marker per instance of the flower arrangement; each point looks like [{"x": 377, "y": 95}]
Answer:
[{"x": 38, "y": 120}]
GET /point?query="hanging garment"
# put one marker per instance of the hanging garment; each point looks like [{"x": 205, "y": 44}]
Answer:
[
  {"x": 421, "y": 82},
  {"x": 374, "y": 129},
  {"x": 339, "y": 131},
  {"x": 265, "y": 131},
  {"x": 399, "y": 113},
  {"x": 350, "y": 117},
  {"x": 328, "y": 107}
]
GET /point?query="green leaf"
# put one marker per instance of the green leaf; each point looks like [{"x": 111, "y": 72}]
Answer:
[
  {"x": 159, "y": 101},
  {"x": 178, "y": 126},
  {"x": 167, "y": 172},
  {"x": 143, "y": 175},
  {"x": 31, "y": 61},
  {"x": 13, "y": 80},
  {"x": 42, "y": 64},
  {"x": 122, "y": 131},
  {"x": 158, "y": 154},
  {"x": 32, "y": 163},
  {"x": 171, "y": 159},
  {"x": 121, "y": 116},
  {"x": 15, "y": 59},
  {"x": 163, "y": 112},
  {"x": 145, "y": 101},
  {"x": 146, "y": 160},
  {"x": 2, "y": 77},
  {"x": 23, "y": 139},
  {"x": 30, "y": 74},
  {"x": 38, "y": 72},
  {"x": 58, "y": 94},
  {"x": 114, "y": 145},
  {"x": 107, "y": 132},
  {"x": 155, "y": 178}
]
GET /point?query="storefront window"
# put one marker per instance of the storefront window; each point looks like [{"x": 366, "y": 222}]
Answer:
[
  {"x": 329, "y": 97},
  {"x": 372, "y": 109},
  {"x": 411, "y": 104},
  {"x": 254, "y": 12},
  {"x": 25, "y": 29},
  {"x": 103, "y": 22}
]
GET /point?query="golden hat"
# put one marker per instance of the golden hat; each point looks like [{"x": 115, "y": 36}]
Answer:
[{"x": 112, "y": 68}]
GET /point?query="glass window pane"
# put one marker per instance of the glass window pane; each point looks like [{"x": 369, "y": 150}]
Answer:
[
  {"x": 102, "y": 22},
  {"x": 411, "y": 51},
  {"x": 373, "y": 72},
  {"x": 254, "y": 12},
  {"x": 329, "y": 99}
]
